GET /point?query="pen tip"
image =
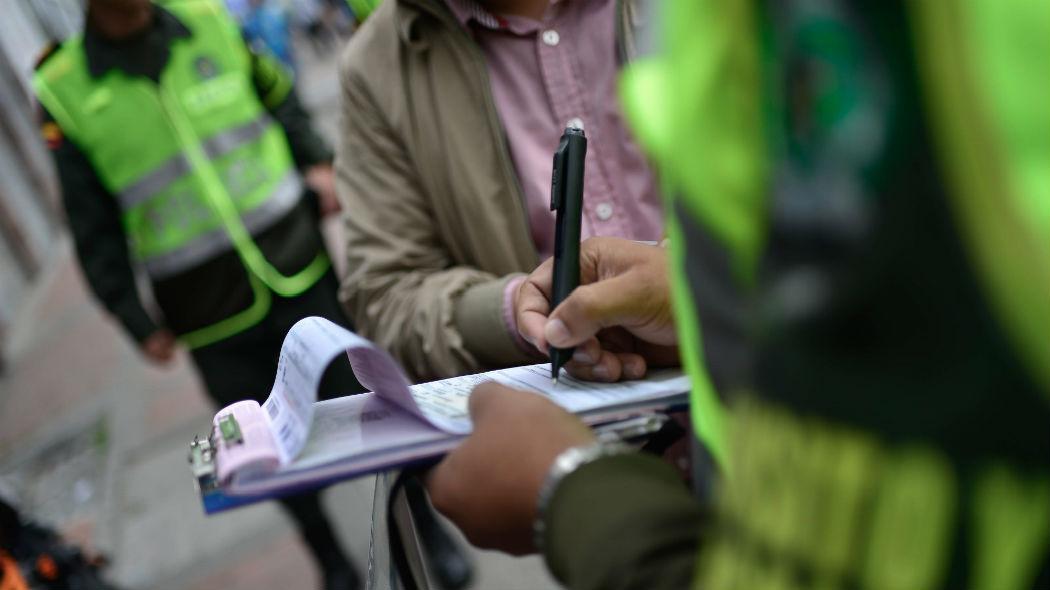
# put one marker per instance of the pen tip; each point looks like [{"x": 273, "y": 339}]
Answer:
[{"x": 554, "y": 380}]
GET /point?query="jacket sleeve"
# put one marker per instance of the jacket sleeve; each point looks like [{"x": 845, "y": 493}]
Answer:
[
  {"x": 403, "y": 288},
  {"x": 624, "y": 523},
  {"x": 274, "y": 87},
  {"x": 98, "y": 234}
]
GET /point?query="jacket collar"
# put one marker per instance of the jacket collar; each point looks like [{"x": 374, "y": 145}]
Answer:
[
  {"x": 410, "y": 12},
  {"x": 632, "y": 16},
  {"x": 104, "y": 55}
]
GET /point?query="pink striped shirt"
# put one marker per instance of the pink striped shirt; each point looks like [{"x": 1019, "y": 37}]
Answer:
[
  {"x": 554, "y": 73},
  {"x": 561, "y": 71}
]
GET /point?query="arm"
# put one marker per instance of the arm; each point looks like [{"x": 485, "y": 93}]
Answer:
[
  {"x": 274, "y": 87},
  {"x": 620, "y": 522},
  {"x": 95, "y": 222},
  {"x": 403, "y": 290},
  {"x": 624, "y": 522},
  {"x": 311, "y": 153}
]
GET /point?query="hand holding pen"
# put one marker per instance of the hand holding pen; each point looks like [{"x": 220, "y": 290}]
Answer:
[{"x": 619, "y": 319}]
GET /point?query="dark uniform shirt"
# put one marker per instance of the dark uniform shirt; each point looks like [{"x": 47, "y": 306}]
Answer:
[{"x": 219, "y": 287}]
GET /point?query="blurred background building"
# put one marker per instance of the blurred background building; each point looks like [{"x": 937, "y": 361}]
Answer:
[{"x": 29, "y": 209}]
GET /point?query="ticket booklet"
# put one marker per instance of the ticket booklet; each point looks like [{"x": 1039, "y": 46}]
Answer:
[{"x": 292, "y": 442}]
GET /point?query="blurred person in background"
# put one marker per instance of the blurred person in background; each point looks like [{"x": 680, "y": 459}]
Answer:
[
  {"x": 183, "y": 153},
  {"x": 307, "y": 16},
  {"x": 324, "y": 22},
  {"x": 452, "y": 110},
  {"x": 875, "y": 179},
  {"x": 265, "y": 27}
]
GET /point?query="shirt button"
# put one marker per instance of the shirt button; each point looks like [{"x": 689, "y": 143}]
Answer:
[
  {"x": 604, "y": 211},
  {"x": 575, "y": 122},
  {"x": 551, "y": 37}
]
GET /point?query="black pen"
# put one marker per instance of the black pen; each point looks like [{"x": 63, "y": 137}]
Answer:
[{"x": 567, "y": 200}]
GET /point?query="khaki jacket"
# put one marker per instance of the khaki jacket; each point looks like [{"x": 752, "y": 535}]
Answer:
[{"x": 435, "y": 219}]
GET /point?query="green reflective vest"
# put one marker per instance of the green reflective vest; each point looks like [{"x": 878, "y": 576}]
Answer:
[
  {"x": 195, "y": 162},
  {"x": 811, "y": 500},
  {"x": 698, "y": 109}
]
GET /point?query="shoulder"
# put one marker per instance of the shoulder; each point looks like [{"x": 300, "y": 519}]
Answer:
[
  {"x": 45, "y": 55},
  {"x": 390, "y": 49},
  {"x": 57, "y": 60},
  {"x": 57, "y": 53},
  {"x": 375, "y": 46},
  {"x": 371, "y": 64}
]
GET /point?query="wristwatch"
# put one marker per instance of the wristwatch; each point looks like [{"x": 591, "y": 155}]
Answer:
[{"x": 565, "y": 463}]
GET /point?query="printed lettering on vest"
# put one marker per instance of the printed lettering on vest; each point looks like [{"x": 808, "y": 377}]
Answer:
[
  {"x": 213, "y": 93},
  {"x": 812, "y": 504}
]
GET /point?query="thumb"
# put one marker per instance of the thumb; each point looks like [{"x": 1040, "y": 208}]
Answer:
[
  {"x": 592, "y": 307},
  {"x": 482, "y": 398}
]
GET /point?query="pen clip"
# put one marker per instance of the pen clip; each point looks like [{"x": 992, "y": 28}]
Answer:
[{"x": 558, "y": 174}]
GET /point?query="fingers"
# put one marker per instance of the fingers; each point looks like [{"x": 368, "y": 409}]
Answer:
[
  {"x": 610, "y": 366},
  {"x": 634, "y": 365},
  {"x": 587, "y": 353},
  {"x": 532, "y": 317},
  {"x": 484, "y": 396},
  {"x": 493, "y": 499},
  {"x": 592, "y": 307},
  {"x": 532, "y": 305},
  {"x": 622, "y": 284}
]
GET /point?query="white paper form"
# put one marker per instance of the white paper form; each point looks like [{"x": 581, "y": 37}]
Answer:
[
  {"x": 359, "y": 425},
  {"x": 313, "y": 342},
  {"x": 307, "y": 350},
  {"x": 399, "y": 423},
  {"x": 445, "y": 402}
]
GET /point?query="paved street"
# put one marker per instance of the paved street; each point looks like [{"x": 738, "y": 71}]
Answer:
[{"x": 74, "y": 381}]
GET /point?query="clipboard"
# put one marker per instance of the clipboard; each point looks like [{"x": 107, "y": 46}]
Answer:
[{"x": 293, "y": 443}]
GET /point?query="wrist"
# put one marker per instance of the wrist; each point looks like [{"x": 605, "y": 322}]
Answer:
[
  {"x": 478, "y": 317},
  {"x": 510, "y": 322},
  {"x": 565, "y": 464}
]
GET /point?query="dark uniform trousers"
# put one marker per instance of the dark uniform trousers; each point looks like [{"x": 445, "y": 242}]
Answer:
[{"x": 244, "y": 366}]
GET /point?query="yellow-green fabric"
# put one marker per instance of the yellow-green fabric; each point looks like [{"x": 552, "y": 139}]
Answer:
[
  {"x": 706, "y": 135},
  {"x": 362, "y": 8},
  {"x": 644, "y": 97},
  {"x": 214, "y": 169},
  {"x": 860, "y": 505},
  {"x": 989, "y": 80},
  {"x": 697, "y": 110}
]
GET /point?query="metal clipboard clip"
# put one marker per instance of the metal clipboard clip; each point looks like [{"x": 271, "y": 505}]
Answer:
[
  {"x": 631, "y": 428},
  {"x": 202, "y": 463},
  {"x": 203, "y": 450}
]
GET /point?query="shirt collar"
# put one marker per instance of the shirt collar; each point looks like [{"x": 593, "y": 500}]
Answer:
[
  {"x": 466, "y": 11},
  {"x": 470, "y": 11},
  {"x": 104, "y": 55}
]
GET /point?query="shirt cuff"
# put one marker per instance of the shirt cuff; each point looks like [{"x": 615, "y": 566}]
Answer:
[
  {"x": 479, "y": 321},
  {"x": 510, "y": 319}
]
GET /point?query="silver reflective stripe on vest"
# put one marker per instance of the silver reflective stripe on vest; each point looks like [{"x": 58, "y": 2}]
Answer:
[
  {"x": 209, "y": 245},
  {"x": 155, "y": 181},
  {"x": 231, "y": 139},
  {"x": 178, "y": 166}
]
